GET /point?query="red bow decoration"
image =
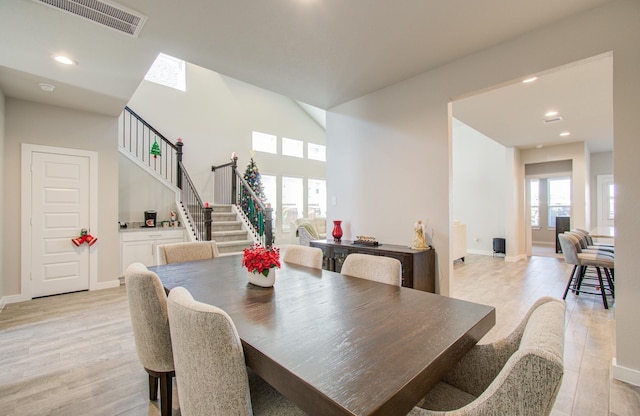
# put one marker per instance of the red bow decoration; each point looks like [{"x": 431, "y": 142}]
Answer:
[{"x": 85, "y": 237}]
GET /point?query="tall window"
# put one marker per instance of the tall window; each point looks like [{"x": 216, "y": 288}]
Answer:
[
  {"x": 317, "y": 198},
  {"x": 559, "y": 201},
  {"x": 611, "y": 211},
  {"x": 292, "y": 201},
  {"x": 271, "y": 193},
  {"x": 534, "y": 195},
  {"x": 168, "y": 71}
]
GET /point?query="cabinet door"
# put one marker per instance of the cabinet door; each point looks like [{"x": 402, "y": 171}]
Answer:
[{"x": 137, "y": 252}]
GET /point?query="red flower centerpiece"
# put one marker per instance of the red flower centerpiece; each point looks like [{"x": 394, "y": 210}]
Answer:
[{"x": 260, "y": 260}]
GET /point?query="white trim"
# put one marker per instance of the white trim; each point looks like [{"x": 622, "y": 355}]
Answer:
[
  {"x": 25, "y": 247},
  {"x": 106, "y": 285},
  {"x": 480, "y": 252},
  {"x": 513, "y": 259},
  {"x": 628, "y": 375}
]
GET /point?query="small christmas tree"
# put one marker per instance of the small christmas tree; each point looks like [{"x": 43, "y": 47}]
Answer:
[{"x": 252, "y": 176}]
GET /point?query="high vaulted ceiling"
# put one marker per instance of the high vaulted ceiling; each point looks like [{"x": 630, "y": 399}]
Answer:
[{"x": 321, "y": 52}]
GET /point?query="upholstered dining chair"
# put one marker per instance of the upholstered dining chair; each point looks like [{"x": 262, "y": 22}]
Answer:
[
  {"x": 303, "y": 256},
  {"x": 211, "y": 373},
  {"x": 581, "y": 260},
  {"x": 517, "y": 375},
  {"x": 148, "y": 310},
  {"x": 377, "y": 268},
  {"x": 188, "y": 251}
]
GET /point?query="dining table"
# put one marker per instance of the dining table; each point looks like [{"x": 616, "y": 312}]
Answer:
[{"x": 335, "y": 344}]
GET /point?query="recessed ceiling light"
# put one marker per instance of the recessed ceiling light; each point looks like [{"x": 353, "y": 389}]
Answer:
[
  {"x": 528, "y": 80},
  {"x": 565, "y": 134},
  {"x": 46, "y": 87},
  {"x": 551, "y": 113},
  {"x": 539, "y": 146},
  {"x": 64, "y": 60}
]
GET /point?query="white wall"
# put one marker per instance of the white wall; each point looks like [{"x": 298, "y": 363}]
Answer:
[
  {"x": 216, "y": 116},
  {"x": 479, "y": 185},
  {"x": 389, "y": 157},
  {"x": 28, "y": 122},
  {"x": 139, "y": 191},
  {"x": 2, "y": 196}
]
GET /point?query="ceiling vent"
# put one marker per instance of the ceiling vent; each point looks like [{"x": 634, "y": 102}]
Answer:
[
  {"x": 111, "y": 15},
  {"x": 553, "y": 120}
]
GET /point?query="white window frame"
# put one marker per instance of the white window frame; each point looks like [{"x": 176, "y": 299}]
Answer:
[
  {"x": 168, "y": 71},
  {"x": 603, "y": 199},
  {"x": 264, "y": 142}
]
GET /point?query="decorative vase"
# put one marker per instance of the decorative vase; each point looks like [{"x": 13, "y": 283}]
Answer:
[
  {"x": 261, "y": 280},
  {"x": 337, "y": 231}
]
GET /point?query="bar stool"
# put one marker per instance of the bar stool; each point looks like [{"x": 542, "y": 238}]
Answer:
[{"x": 581, "y": 261}]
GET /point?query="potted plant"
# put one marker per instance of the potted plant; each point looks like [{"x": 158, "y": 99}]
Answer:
[{"x": 261, "y": 263}]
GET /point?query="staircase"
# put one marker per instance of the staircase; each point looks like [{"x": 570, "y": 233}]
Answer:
[
  {"x": 230, "y": 226},
  {"x": 228, "y": 231}
]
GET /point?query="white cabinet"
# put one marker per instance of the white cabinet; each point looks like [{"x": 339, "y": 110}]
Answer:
[
  {"x": 139, "y": 245},
  {"x": 459, "y": 241}
]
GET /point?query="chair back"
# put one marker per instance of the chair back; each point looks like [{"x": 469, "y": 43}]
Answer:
[
  {"x": 303, "y": 256},
  {"x": 377, "y": 268},
  {"x": 569, "y": 250},
  {"x": 148, "y": 310},
  {"x": 529, "y": 382},
  {"x": 188, "y": 251},
  {"x": 210, "y": 368}
]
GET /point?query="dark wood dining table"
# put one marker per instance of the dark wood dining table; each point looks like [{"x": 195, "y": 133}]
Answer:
[{"x": 333, "y": 344}]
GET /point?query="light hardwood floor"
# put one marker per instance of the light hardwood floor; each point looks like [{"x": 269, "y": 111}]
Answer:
[{"x": 74, "y": 354}]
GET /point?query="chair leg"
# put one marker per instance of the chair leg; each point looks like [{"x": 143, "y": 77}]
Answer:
[
  {"x": 166, "y": 380},
  {"x": 153, "y": 387},
  {"x": 602, "y": 289},
  {"x": 569, "y": 282},
  {"x": 610, "y": 281}
]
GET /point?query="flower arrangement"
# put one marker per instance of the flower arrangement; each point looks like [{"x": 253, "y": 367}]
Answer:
[{"x": 259, "y": 259}]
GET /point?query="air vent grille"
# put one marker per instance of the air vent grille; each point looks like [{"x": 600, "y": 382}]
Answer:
[{"x": 111, "y": 15}]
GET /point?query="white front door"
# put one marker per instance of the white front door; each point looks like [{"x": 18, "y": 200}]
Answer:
[{"x": 60, "y": 194}]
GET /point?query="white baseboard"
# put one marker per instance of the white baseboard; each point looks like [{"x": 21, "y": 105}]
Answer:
[
  {"x": 5, "y": 300},
  {"x": 628, "y": 375},
  {"x": 106, "y": 285},
  {"x": 480, "y": 252},
  {"x": 513, "y": 259}
]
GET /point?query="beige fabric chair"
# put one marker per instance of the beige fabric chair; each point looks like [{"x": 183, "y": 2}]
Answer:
[
  {"x": 148, "y": 310},
  {"x": 210, "y": 368},
  {"x": 189, "y": 251},
  {"x": 303, "y": 256},
  {"x": 517, "y": 375},
  {"x": 377, "y": 268}
]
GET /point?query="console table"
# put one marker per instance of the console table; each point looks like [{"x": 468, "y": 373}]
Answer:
[{"x": 418, "y": 266}]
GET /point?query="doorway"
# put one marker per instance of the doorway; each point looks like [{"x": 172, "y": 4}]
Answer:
[{"x": 59, "y": 199}]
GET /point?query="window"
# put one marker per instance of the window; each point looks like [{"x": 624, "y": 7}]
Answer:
[
  {"x": 271, "y": 193},
  {"x": 559, "y": 197},
  {"x": 534, "y": 195},
  {"x": 168, "y": 71},
  {"x": 292, "y": 201},
  {"x": 316, "y": 152},
  {"x": 610, "y": 212},
  {"x": 292, "y": 147},
  {"x": 317, "y": 198},
  {"x": 263, "y": 142}
]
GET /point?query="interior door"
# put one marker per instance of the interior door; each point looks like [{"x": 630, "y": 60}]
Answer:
[{"x": 59, "y": 210}]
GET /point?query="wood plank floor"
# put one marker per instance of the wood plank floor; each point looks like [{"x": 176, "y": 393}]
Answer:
[{"x": 74, "y": 354}]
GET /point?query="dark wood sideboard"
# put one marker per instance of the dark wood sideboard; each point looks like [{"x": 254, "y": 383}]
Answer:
[{"x": 418, "y": 266}]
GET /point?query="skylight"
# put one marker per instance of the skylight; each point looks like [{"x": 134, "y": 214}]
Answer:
[{"x": 168, "y": 71}]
